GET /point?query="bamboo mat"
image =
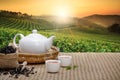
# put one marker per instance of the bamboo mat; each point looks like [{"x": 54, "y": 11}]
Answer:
[{"x": 92, "y": 66}]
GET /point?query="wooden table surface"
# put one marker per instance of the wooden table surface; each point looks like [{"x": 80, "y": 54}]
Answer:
[{"x": 91, "y": 66}]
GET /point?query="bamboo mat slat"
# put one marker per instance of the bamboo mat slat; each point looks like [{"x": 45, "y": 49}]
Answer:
[{"x": 92, "y": 66}]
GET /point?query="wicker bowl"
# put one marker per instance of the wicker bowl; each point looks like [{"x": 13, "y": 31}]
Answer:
[{"x": 38, "y": 58}]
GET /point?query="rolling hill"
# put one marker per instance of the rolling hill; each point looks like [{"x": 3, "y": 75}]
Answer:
[
  {"x": 92, "y": 24},
  {"x": 26, "y": 24},
  {"x": 75, "y": 23},
  {"x": 72, "y": 34},
  {"x": 103, "y": 20}
]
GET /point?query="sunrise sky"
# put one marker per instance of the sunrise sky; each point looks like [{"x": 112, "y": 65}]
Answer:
[{"x": 73, "y": 8}]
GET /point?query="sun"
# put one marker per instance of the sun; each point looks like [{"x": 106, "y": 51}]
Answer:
[{"x": 62, "y": 12}]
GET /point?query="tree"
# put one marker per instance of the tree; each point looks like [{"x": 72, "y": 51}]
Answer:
[{"x": 115, "y": 28}]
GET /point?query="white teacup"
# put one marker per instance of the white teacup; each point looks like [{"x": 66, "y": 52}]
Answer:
[
  {"x": 65, "y": 60},
  {"x": 52, "y": 65}
]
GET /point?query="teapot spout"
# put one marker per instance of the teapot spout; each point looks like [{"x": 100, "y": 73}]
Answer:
[{"x": 49, "y": 42}]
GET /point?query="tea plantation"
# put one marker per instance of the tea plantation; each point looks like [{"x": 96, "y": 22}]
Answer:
[{"x": 67, "y": 39}]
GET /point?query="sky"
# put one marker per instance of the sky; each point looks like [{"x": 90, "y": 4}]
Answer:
[{"x": 72, "y": 8}]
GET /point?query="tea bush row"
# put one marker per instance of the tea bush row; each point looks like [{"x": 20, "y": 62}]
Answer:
[{"x": 65, "y": 44}]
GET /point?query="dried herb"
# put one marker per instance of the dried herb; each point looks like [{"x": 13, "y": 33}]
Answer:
[
  {"x": 17, "y": 71},
  {"x": 7, "y": 50}
]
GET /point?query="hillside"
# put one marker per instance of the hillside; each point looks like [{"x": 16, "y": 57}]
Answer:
[
  {"x": 22, "y": 21},
  {"x": 48, "y": 23},
  {"x": 104, "y": 20},
  {"x": 26, "y": 24},
  {"x": 72, "y": 23},
  {"x": 89, "y": 24}
]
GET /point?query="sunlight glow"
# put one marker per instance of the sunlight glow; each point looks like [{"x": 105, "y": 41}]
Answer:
[
  {"x": 62, "y": 8},
  {"x": 62, "y": 12}
]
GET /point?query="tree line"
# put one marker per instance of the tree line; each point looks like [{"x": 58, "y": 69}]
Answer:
[{"x": 5, "y": 13}]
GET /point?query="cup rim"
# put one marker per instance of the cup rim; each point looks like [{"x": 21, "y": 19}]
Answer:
[
  {"x": 52, "y": 61},
  {"x": 64, "y": 56}
]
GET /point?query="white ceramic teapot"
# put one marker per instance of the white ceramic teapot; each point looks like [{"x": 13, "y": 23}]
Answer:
[{"x": 33, "y": 43}]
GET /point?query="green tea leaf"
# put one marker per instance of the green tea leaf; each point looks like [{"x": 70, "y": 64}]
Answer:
[
  {"x": 68, "y": 68},
  {"x": 75, "y": 66}
]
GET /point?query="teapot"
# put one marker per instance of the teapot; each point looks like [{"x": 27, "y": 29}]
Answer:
[{"x": 33, "y": 43}]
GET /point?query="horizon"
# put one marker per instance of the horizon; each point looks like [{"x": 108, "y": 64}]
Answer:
[
  {"x": 69, "y": 16},
  {"x": 62, "y": 8}
]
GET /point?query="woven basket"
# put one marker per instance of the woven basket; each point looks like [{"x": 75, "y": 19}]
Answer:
[
  {"x": 38, "y": 58},
  {"x": 9, "y": 60}
]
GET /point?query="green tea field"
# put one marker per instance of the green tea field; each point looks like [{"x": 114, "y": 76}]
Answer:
[{"x": 68, "y": 39}]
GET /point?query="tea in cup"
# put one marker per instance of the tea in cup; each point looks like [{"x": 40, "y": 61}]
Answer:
[
  {"x": 65, "y": 60},
  {"x": 52, "y": 65}
]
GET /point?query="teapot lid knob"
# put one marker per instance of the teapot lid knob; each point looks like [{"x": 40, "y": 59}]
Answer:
[{"x": 34, "y": 31}]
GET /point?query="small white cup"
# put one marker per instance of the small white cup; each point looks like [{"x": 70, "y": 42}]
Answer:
[
  {"x": 52, "y": 65},
  {"x": 65, "y": 60}
]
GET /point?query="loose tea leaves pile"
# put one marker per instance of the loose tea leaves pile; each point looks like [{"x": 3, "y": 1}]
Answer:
[
  {"x": 22, "y": 69},
  {"x": 7, "y": 50},
  {"x": 18, "y": 71}
]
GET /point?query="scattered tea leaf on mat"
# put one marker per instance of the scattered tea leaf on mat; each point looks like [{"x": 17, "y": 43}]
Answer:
[
  {"x": 17, "y": 72},
  {"x": 71, "y": 67},
  {"x": 75, "y": 66},
  {"x": 68, "y": 67}
]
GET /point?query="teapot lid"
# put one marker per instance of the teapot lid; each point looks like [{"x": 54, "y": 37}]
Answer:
[{"x": 36, "y": 35}]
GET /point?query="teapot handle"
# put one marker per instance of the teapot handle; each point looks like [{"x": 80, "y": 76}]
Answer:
[{"x": 14, "y": 40}]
